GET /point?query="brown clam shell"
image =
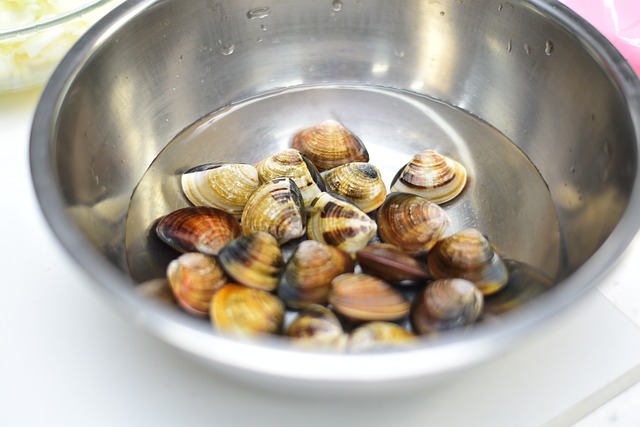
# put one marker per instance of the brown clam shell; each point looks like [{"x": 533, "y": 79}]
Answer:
[
  {"x": 446, "y": 304},
  {"x": 198, "y": 229},
  {"x": 362, "y": 297},
  {"x": 317, "y": 327},
  {"x": 194, "y": 278},
  {"x": 411, "y": 222},
  {"x": 292, "y": 164},
  {"x": 359, "y": 182},
  {"x": 277, "y": 208},
  {"x": 330, "y": 144},
  {"x": 468, "y": 254},
  {"x": 339, "y": 223},
  {"x": 255, "y": 260},
  {"x": 379, "y": 336},
  {"x": 392, "y": 264},
  {"x": 242, "y": 311},
  {"x": 309, "y": 272},
  {"x": 431, "y": 175},
  {"x": 225, "y": 186}
]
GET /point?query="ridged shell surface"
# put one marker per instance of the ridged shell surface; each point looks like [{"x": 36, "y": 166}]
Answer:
[
  {"x": 255, "y": 260},
  {"x": 309, "y": 272},
  {"x": 431, "y": 175},
  {"x": 330, "y": 144},
  {"x": 446, "y": 304},
  {"x": 339, "y": 223},
  {"x": 244, "y": 312},
  {"x": 379, "y": 336},
  {"x": 468, "y": 254},
  {"x": 277, "y": 208},
  {"x": 292, "y": 164},
  {"x": 362, "y": 297},
  {"x": 359, "y": 182},
  {"x": 412, "y": 223},
  {"x": 194, "y": 278},
  {"x": 221, "y": 185},
  {"x": 198, "y": 229}
]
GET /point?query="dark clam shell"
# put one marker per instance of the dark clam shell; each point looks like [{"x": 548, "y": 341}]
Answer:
[
  {"x": 392, "y": 264},
  {"x": 198, "y": 229}
]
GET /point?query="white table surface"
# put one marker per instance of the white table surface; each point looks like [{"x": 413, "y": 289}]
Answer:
[{"x": 67, "y": 358}]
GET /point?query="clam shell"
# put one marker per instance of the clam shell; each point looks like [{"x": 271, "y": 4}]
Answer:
[
  {"x": 445, "y": 304},
  {"x": 339, "y": 223},
  {"x": 225, "y": 186},
  {"x": 411, "y": 222},
  {"x": 379, "y": 336},
  {"x": 198, "y": 229},
  {"x": 391, "y": 264},
  {"x": 317, "y": 327},
  {"x": 242, "y": 311},
  {"x": 292, "y": 164},
  {"x": 255, "y": 260},
  {"x": 468, "y": 254},
  {"x": 309, "y": 272},
  {"x": 194, "y": 278},
  {"x": 330, "y": 144},
  {"x": 359, "y": 182},
  {"x": 362, "y": 297},
  {"x": 431, "y": 175},
  {"x": 277, "y": 208}
]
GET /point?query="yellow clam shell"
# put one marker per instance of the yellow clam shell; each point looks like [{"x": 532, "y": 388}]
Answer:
[{"x": 359, "y": 182}]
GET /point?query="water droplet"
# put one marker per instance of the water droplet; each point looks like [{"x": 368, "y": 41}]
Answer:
[
  {"x": 399, "y": 53},
  {"x": 336, "y": 5},
  {"x": 527, "y": 48},
  {"x": 259, "y": 39},
  {"x": 228, "y": 49},
  {"x": 441, "y": 13},
  {"x": 173, "y": 88},
  {"x": 573, "y": 169},
  {"x": 548, "y": 47},
  {"x": 499, "y": 7},
  {"x": 263, "y": 27},
  {"x": 509, "y": 45},
  {"x": 258, "y": 12}
]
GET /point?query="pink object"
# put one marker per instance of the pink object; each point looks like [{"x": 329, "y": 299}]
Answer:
[{"x": 617, "y": 20}]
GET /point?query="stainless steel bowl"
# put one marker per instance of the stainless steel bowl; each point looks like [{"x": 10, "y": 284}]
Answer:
[{"x": 540, "y": 107}]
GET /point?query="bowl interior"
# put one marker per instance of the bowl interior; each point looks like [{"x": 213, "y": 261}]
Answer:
[{"x": 542, "y": 111}]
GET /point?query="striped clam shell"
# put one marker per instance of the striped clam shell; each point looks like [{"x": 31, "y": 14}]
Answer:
[
  {"x": 277, "y": 208},
  {"x": 468, "y": 254},
  {"x": 359, "y": 182},
  {"x": 225, "y": 186},
  {"x": 339, "y": 223},
  {"x": 317, "y": 327},
  {"x": 330, "y": 144},
  {"x": 255, "y": 260},
  {"x": 412, "y": 223},
  {"x": 292, "y": 164},
  {"x": 198, "y": 229},
  {"x": 378, "y": 336},
  {"x": 431, "y": 175}
]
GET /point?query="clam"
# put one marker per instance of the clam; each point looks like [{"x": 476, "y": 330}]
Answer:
[
  {"x": 411, "y": 222},
  {"x": 468, "y": 254},
  {"x": 242, "y": 311},
  {"x": 362, "y": 297},
  {"x": 255, "y": 260},
  {"x": 445, "y": 304},
  {"x": 359, "y": 182},
  {"x": 317, "y": 327},
  {"x": 431, "y": 175},
  {"x": 391, "y": 264},
  {"x": 225, "y": 186},
  {"x": 309, "y": 273},
  {"x": 378, "y": 336},
  {"x": 277, "y": 208},
  {"x": 339, "y": 223},
  {"x": 330, "y": 144},
  {"x": 194, "y": 278},
  {"x": 292, "y": 164},
  {"x": 198, "y": 229}
]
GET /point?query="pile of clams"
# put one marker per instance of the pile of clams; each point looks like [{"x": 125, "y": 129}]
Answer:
[{"x": 365, "y": 268}]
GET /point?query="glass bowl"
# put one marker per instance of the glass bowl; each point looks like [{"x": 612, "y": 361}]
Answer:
[{"x": 36, "y": 34}]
